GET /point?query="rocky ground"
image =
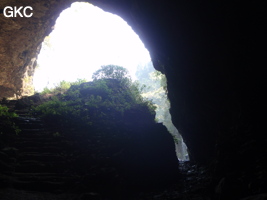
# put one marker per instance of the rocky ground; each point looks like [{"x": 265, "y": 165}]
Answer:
[
  {"x": 41, "y": 164},
  {"x": 193, "y": 186}
]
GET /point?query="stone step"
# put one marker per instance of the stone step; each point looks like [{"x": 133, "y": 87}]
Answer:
[
  {"x": 43, "y": 149},
  {"x": 6, "y": 158},
  {"x": 38, "y": 167},
  {"x": 22, "y": 111},
  {"x": 42, "y": 186},
  {"x": 10, "y": 104},
  {"x": 32, "y": 130},
  {"x": 35, "y": 154},
  {"x": 37, "y": 139},
  {"x": 39, "y": 162},
  {"x": 24, "y": 114},
  {"x": 39, "y": 157},
  {"x": 30, "y": 125},
  {"x": 35, "y": 144},
  {"x": 28, "y": 120},
  {"x": 34, "y": 135},
  {"x": 55, "y": 177},
  {"x": 32, "y": 143},
  {"x": 36, "y": 162}
]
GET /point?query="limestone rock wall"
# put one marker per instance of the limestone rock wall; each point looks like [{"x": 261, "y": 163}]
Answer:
[{"x": 20, "y": 40}]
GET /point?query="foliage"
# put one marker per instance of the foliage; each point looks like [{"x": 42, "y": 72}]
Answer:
[
  {"x": 113, "y": 72},
  {"x": 156, "y": 90},
  {"x": 4, "y": 113},
  {"x": 103, "y": 101},
  {"x": 59, "y": 111},
  {"x": 7, "y": 123},
  {"x": 153, "y": 86},
  {"x": 46, "y": 90},
  {"x": 61, "y": 87}
]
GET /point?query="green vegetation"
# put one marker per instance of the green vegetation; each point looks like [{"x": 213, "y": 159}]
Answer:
[
  {"x": 62, "y": 87},
  {"x": 112, "y": 72},
  {"x": 106, "y": 101},
  {"x": 4, "y": 113},
  {"x": 157, "y": 92},
  {"x": 7, "y": 124}
]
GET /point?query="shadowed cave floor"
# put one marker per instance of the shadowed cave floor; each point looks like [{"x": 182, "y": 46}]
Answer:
[
  {"x": 37, "y": 169},
  {"x": 193, "y": 185}
]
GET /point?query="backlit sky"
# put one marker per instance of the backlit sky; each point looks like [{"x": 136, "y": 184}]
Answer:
[{"x": 84, "y": 38}]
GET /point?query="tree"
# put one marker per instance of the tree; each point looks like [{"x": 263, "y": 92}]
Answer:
[
  {"x": 112, "y": 72},
  {"x": 121, "y": 74}
]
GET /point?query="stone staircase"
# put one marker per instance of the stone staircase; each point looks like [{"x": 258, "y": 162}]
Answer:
[
  {"x": 39, "y": 161},
  {"x": 101, "y": 162}
]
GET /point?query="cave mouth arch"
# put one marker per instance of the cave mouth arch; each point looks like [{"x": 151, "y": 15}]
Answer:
[
  {"x": 84, "y": 38},
  {"x": 66, "y": 53}
]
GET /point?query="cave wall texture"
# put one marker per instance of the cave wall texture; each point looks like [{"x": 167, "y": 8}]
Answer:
[{"x": 209, "y": 51}]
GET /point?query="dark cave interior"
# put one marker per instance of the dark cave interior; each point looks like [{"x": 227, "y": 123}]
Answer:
[{"x": 210, "y": 53}]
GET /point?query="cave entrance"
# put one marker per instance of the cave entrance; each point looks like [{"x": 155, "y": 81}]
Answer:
[{"x": 85, "y": 38}]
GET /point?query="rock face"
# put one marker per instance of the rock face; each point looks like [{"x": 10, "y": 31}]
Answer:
[
  {"x": 20, "y": 42},
  {"x": 210, "y": 54}
]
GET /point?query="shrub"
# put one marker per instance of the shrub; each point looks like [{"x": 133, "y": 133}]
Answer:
[
  {"x": 7, "y": 123},
  {"x": 102, "y": 101},
  {"x": 61, "y": 87}
]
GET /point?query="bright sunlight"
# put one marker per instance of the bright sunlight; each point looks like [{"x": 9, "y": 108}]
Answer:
[{"x": 84, "y": 38}]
